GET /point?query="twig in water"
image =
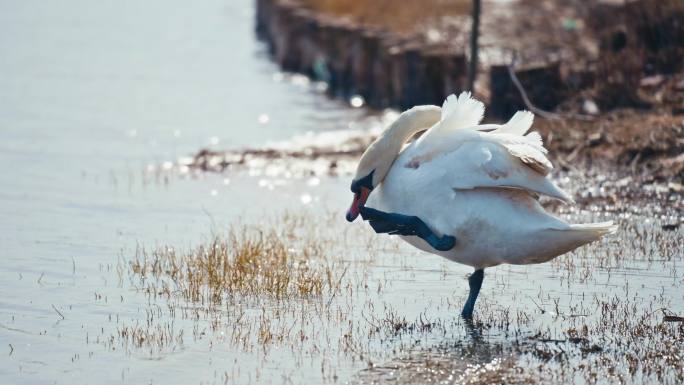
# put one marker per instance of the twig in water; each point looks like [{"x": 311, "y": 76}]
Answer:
[
  {"x": 11, "y": 349},
  {"x": 337, "y": 287},
  {"x": 671, "y": 317},
  {"x": 58, "y": 312},
  {"x": 546, "y": 340},
  {"x": 539, "y": 307},
  {"x": 369, "y": 322},
  {"x": 211, "y": 218}
]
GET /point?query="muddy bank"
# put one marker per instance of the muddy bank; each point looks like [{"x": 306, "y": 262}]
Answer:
[
  {"x": 624, "y": 140},
  {"x": 564, "y": 51},
  {"x": 385, "y": 68}
]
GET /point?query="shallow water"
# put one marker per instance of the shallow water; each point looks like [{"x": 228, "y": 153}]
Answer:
[
  {"x": 99, "y": 98},
  {"x": 93, "y": 94}
]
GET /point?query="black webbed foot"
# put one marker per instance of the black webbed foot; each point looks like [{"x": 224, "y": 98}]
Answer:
[{"x": 399, "y": 224}]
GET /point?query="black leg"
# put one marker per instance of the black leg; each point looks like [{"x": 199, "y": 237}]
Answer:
[
  {"x": 475, "y": 283},
  {"x": 399, "y": 224}
]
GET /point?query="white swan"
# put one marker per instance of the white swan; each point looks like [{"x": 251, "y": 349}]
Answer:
[{"x": 464, "y": 193}]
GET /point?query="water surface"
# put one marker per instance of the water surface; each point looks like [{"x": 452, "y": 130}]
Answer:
[
  {"x": 98, "y": 99},
  {"x": 92, "y": 96}
]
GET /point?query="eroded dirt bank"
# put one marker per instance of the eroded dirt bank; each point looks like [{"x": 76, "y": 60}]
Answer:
[
  {"x": 564, "y": 54},
  {"x": 619, "y": 108}
]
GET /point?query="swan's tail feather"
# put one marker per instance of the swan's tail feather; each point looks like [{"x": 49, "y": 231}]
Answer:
[
  {"x": 589, "y": 232},
  {"x": 596, "y": 230},
  {"x": 580, "y": 234},
  {"x": 556, "y": 241}
]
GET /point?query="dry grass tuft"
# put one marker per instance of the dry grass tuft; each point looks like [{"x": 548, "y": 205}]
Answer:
[
  {"x": 247, "y": 262},
  {"x": 405, "y": 15}
]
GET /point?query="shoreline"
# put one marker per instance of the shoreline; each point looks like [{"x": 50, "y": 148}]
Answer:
[{"x": 356, "y": 59}]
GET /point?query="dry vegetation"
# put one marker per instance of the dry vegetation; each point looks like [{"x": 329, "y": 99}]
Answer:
[
  {"x": 608, "y": 337},
  {"x": 400, "y": 16},
  {"x": 331, "y": 291},
  {"x": 643, "y": 39},
  {"x": 248, "y": 262},
  {"x": 606, "y": 49}
]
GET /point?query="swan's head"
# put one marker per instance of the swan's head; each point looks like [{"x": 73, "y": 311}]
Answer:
[
  {"x": 361, "y": 187},
  {"x": 374, "y": 165},
  {"x": 377, "y": 161}
]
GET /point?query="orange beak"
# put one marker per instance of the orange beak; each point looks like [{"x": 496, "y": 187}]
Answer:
[{"x": 359, "y": 201}]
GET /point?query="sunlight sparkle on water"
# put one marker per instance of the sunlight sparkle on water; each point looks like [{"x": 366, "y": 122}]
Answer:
[
  {"x": 300, "y": 80},
  {"x": 357, "y": 101},
  {"x": 320, "y": 86}
]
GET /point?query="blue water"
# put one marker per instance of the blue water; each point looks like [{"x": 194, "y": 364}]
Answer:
[
  {"x": 92, "y": 93},
  {"x": 95, "y": 94}
]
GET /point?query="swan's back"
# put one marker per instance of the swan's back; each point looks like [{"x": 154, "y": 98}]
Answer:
[{"x": 482, "y": 188}]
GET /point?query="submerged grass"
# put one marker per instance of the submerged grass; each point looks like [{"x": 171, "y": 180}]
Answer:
[
  {"x": 316, "y": 288},
  {"x": 247, "y": 262},
  {"x": 619, "y": 340}
]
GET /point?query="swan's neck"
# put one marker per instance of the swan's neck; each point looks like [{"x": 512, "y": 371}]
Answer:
[
  {"x": 376, "y": 162},
  {"x": 399, "y": 133},
  {"x": 388, "y": 146}
]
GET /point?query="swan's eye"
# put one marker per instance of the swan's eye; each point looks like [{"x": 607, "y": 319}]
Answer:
[{"x": 355, "y": 188}]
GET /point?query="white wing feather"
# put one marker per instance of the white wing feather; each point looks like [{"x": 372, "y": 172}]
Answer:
[
  {"x": 461, "y": 112},
  {"x": 471, "y": 159},
  {"x": 529, "y": 149},
  {"x": 514, "y": 158},
  {"x": 457, "y": 113},
  {"x": 519, "y": 124},
  {"x": 534, "y": 139}
]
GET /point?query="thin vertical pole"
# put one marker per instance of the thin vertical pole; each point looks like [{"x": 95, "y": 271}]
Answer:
[{"x": 475, "y": 31}]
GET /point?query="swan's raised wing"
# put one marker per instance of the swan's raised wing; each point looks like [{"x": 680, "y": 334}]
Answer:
[
  {"x": 459, "y": 151},
  {"x": 472, "y": 159},
  {"x": 529, "y": 149},
  {"x": 465, "y": 112},
  {"x": 458, "y": 113}
]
